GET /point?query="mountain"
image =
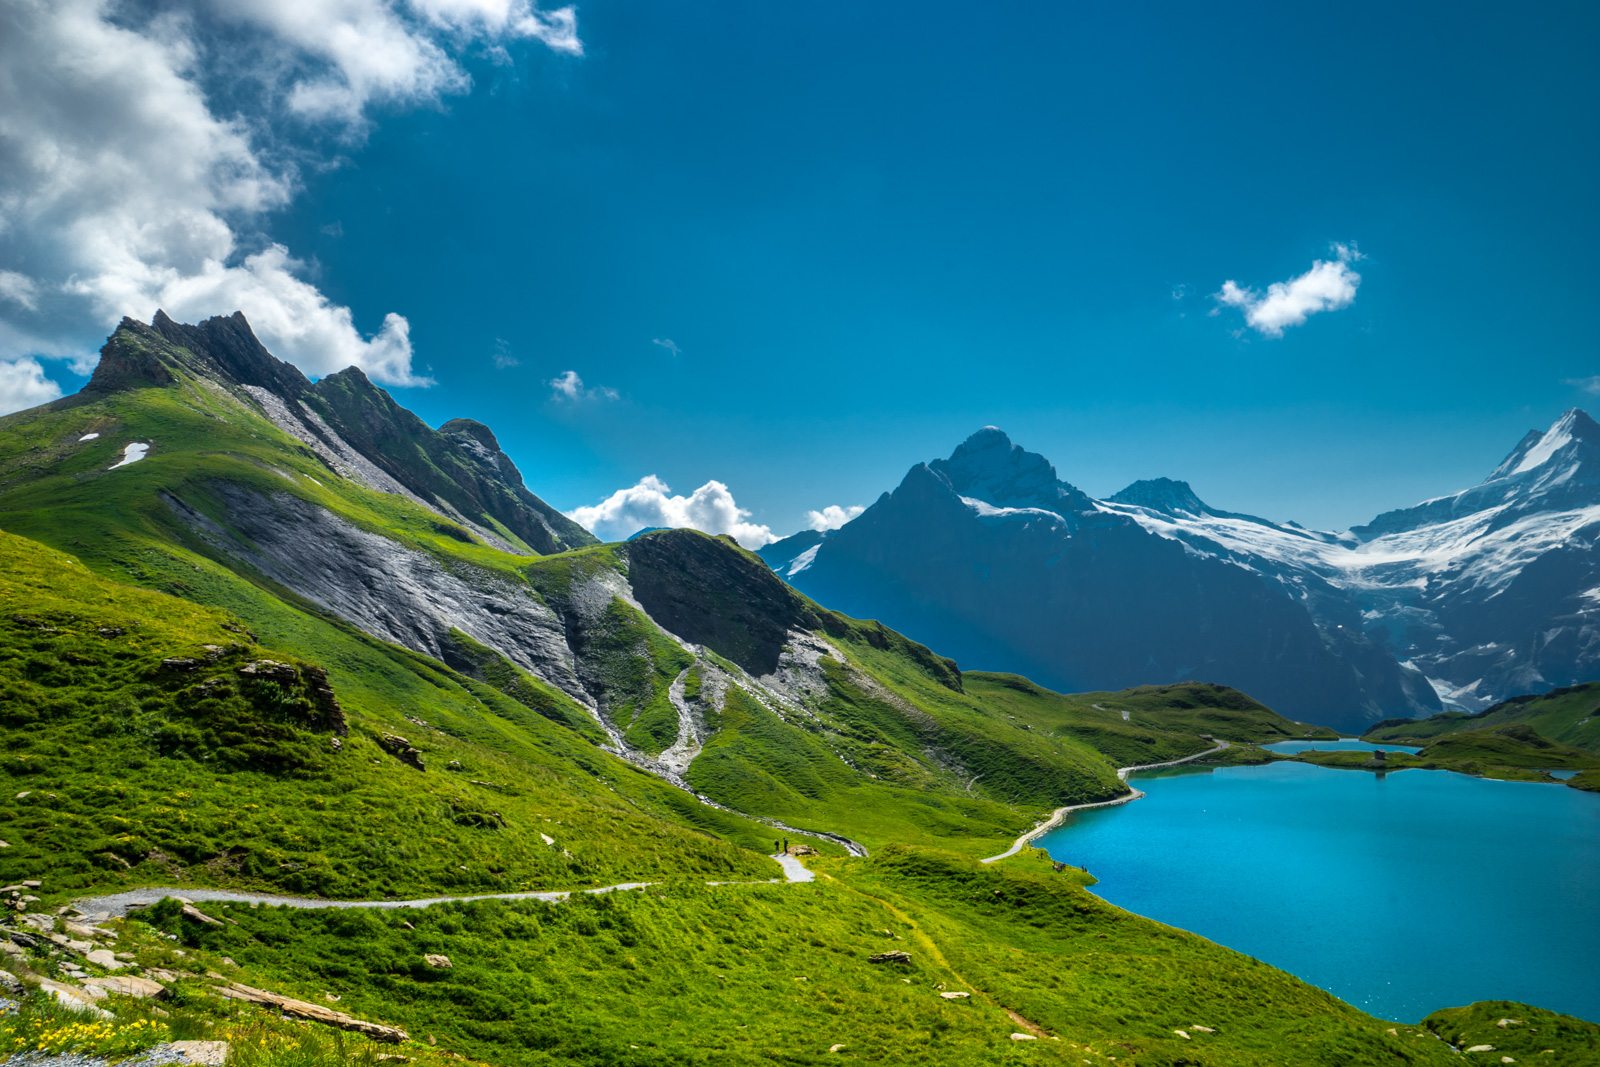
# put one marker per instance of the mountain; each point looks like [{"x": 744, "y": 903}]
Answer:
[
  {"x": 992, "y": 557},
  {"x": 1490, "y": 592},
  {"x": 267, "y": 635},
  {"x": 1461, "y": 600},
  {"x": 354, "y": 428}
]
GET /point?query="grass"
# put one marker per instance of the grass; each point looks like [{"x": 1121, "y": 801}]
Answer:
[
  {"x": 1513, "y": 752},
  {"x": 1570, "y": 715},
  {"x": 176, "y": 788},
  {"x": 1529, "y": 1035},
  {"x": 781, "y": 974},
  {"x": 42, "y": 1024}
]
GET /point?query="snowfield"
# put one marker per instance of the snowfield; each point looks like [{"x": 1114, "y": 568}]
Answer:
[{"x": 131, "y": 454}]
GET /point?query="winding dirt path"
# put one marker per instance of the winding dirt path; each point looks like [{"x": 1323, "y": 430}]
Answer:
[
  {"x": 117, "y": 905},
  {"x": 1060, "y": 814}
]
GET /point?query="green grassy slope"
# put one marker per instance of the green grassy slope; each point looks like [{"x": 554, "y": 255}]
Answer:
[
  {"x": 135, "y": 773},
  {"x": 1162, "y": 722},
  {"x": 781, "y": 974},
  {"x": 1570, "y": 715}
]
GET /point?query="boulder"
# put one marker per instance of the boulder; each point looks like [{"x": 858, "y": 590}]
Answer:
[
  {"x": 74, "y": 998},
  {"x": 270, "y": 670},
  {"x": 192, "y": 912},
  {"x": 302, "y": 1009},
  {"x": 103, "y": 957},
  {"x": 123, "y": 985},
  {"x": 436, "y": 961},
  {"x": 401, "y": 749},
  {"x": 1018, "y": 1035},
  {"x": 896, "y": 956},
  {"x": 955, "y": 995}
]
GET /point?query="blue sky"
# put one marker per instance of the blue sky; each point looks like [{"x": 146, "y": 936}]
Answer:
[{"x": 870, "y": 229}]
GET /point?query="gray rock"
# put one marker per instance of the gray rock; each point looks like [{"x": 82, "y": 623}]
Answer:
[{"x": 123, "y": 985}]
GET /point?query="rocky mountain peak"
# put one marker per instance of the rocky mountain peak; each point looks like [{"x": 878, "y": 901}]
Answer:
[
  {"x": 1165, "y": 495},
  {"x": 225, "y": 348},
  {"x": 1570, "y": 440},
  {"x": 987, "y": 466}
]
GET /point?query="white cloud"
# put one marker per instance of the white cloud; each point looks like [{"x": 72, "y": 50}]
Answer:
[
  {"x": 833, "y": 516},
  {"x": 122, "y": 189},
  {"x": 1590, "y": 385},
  {"x": 668, "y": 343},
  {"x": 1328, "y": 286},
  {"x": 651, "y": 503},
  {"x": 340, "y": 58},
  {"x": 23, "y": 385},
  {"x": 502, "y": 356},
  {"x": 569, "y": 386}
]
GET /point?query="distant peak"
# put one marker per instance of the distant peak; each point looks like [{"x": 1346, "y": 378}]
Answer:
[
  {"x": 987, "y": 439},
  {"x": 987, "y": 466},
  {"x": 1166, "y": 495},
  {"x": 1577, "y": 419},
  {"x": 1568, "y": 440}
]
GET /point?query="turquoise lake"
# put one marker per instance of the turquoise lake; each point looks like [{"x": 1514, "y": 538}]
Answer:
[
  {"x": 1344, "y": 744},
  {"x": 1399, "y": 893}
]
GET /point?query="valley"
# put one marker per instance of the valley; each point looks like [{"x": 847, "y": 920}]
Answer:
[{"x": 306, "y": 646}]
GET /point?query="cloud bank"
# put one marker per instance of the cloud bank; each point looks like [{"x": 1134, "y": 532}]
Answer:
[
  {"x": 651, "y": 503},
  {"x": 124, "y": 187},
  {"x": 832, "y": 517},
  {"x": 1328, "y": 286}
]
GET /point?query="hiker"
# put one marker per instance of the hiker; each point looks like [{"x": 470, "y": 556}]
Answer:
[
  {"x": 786, "y": 846},
  {"x": 775, "y": 848}
]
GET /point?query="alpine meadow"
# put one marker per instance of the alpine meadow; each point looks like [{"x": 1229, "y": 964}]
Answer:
[{"x": 579, "y": 666}]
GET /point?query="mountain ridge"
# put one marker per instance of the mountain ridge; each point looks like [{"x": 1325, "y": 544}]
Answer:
[
  {"x": 353, "y": 426},
  {"x": 1450, "y": 601}
]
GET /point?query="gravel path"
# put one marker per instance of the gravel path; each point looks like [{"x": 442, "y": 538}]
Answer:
[
  {"x": 117, "y": 905},
  {"x": 793, "y": 869},
  {"x": 1060, "y": 814}
]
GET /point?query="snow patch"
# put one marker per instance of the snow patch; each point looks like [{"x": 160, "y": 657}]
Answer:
[
  {"x": 1458, "y": 697},
  {"x": 802, "y": 561},
  {"x": 131, "y": 454},
  {"x": 88, "y": 437},
  {"x": 1555, "y": 438},
  {"x": 986, "y": 510}
]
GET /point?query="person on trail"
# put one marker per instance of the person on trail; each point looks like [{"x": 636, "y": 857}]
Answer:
[
  {"x": 775, "y": 848},
  {"x": 786, "y": 846}
]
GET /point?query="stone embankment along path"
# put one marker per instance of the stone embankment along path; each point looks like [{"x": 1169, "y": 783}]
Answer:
[
  {"x": 1060, "y": 814},
  {"x": 117, "y": 905}
]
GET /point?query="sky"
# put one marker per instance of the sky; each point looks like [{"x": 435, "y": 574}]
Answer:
[{"x": 735, "y": 265}]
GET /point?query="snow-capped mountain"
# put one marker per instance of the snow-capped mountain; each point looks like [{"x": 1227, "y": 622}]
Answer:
[
  {"x": 990, "y": 555},
  {"x": 1486, "y": 593}
]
